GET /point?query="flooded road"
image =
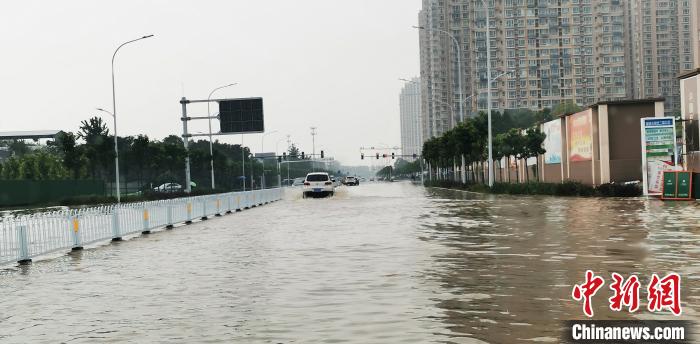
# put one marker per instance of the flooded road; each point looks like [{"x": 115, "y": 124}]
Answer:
[{"x": 378, "y": 263}]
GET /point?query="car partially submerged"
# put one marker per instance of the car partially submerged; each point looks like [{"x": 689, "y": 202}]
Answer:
[
  {"x": 318, "y": 184},
  {"x": 351, "y": 181}
]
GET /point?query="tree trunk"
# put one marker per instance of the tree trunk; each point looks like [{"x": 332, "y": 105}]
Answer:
[
  {"x": 527, "y": 171},
  {"x": 508, "y": 167}
]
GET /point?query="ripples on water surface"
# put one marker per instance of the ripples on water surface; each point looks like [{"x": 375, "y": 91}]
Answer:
[{"x": 379, "y": 263}]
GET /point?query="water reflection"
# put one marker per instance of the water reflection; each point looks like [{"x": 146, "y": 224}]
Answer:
[{"x": 525, "y": 254}]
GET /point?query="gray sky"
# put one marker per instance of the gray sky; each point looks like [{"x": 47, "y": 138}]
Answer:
[{"x": 327, "y": 63}]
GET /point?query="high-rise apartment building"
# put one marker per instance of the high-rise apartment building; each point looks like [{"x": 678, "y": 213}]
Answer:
[
  {"x": 583, "y": 51},
  {"x": 664, "y": 45},
  {"x": 410, "y": 110},
  {"x": 695, "y": 20}
]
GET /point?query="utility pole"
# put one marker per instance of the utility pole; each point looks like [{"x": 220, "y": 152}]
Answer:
[{"x": 289, "y": 144}]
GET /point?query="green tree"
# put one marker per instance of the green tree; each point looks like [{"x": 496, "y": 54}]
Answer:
[
  {"x": 97, "y": 149},
  {"x": 19, "y": 147},
  {"x": 72, "y": 155},
  {"x": 293, "y": 152},
  {"x": 566, "y": 107},
  {"x": 533, "y": 146},
  {"x": 515, "y": 143},
  {"x": 140, "y": 155}
]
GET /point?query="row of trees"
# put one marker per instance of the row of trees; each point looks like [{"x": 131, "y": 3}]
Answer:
[
  {"x": 401, "y": 169},
  {"x": 143, "y": 162},
  {"x": 469, "y": 139}
]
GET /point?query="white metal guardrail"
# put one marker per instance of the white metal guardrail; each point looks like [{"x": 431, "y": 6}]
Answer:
[{"x": 25, "y": 237}]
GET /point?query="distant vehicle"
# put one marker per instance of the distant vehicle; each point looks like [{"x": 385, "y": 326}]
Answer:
[
  {"x": 168, "y": 187},
  {"x": 298, "y": 182},
  {"x": 318, "y": 184},
  {"x": 336, "y": 181},
  {"x": 351, "y": 181}
]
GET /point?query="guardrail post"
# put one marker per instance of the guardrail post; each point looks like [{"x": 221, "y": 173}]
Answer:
[
  {"x": 146, "y": 221},
  {"x": 228, "y": 201},
  {"x": 204, "y": 208},
  {"x": 189, "y": 213},
  {"x": 218, "y": 207},
  {"x": 169, "y": 217},
  {"x": 23, "y": 246},
  {"x": 75, "y": 229},
  {"x": 116, "y": 233}
]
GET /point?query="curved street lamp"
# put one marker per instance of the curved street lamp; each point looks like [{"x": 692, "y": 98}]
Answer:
[
  {"x": 114, "y": 114},
  {"x": 459, "y": 66},
  {"x": 211, "y": 144}
]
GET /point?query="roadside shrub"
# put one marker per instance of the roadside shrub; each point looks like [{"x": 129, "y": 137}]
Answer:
[
  {"x": 568, "y": 188},
  {"x": 619, "y": 190},
  {"x": 572, "y": 188}
]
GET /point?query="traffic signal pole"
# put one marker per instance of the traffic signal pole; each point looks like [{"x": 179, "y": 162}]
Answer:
[{"x": 185, "y": 139}]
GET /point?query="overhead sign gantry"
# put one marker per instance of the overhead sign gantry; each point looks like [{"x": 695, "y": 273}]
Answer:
[{"x": 236, "y": 116}]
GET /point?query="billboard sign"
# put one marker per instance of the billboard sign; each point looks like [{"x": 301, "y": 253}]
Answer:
[
  {"x": 658, "y": 152},
  {"x": 579, "y": 132},
  {"x": 238, "y": 116},
  {"x": 552, "y": 142}
]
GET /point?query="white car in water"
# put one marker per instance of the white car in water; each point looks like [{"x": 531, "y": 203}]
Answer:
[
  {"x": 318, "y": 184},
  {"x": 168, "y": 187}
]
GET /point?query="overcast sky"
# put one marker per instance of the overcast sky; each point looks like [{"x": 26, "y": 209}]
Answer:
[{"x": 327, "y": 63}]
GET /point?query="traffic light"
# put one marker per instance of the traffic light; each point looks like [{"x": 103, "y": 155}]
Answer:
[
  {"x": 279, "y": 159},
  {"x": 377, "y": 156},
  {"x": 415, "y": 155},
  {"x": 321, "y": 154},
  {"x": 392, "y": 155},
  {"x": 284, "y": 155},
  {"x": 362, "y": 156},
  {"x": 302, "y": 155}
]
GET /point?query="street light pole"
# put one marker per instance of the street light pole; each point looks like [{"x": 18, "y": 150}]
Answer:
[
  {"x": 279, "y": 165},
  {"x": 488, "y": 87},
  {"x": 313, "y": 148},
  {"x": 243, "y": 162},
  {"x": 211, "y": 143},
  {"x": 459, "y": 67},
  {"x": 262, "y": 150},
  {"x": 114, "y": 114}
]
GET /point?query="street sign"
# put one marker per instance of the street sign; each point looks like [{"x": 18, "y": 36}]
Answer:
[
  {"x": 658, "y": 152},
  {"x": 245, "y": 115}
]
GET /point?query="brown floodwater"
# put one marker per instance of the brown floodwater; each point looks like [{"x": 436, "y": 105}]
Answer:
[{"x": 378, "y": 263}]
